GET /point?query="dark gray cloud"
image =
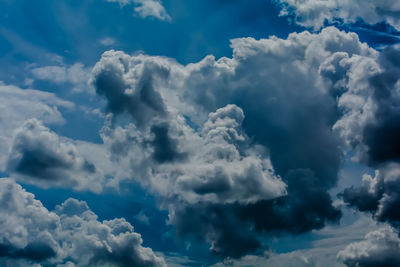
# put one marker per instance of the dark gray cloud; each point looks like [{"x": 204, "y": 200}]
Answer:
[
  {"x": 379, "y": 195},
  {"x": 368, "y": 96},
  {"x": 41, "y": 157},
  {"x": 165, "y": 148},
  {"x": 71, "y": 234},
  {"x": 373, "y": 131},
  {"x": 129, "y": 85}
]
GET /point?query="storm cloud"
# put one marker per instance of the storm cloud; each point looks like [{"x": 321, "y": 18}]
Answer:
[{"x": 289, "y": 98}]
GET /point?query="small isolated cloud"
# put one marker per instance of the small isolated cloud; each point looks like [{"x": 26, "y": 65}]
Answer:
[
  {"x": 108, "y": 41},
  {"x": 313, "y": 13},
  {"x": 146, "y": 8},
  {"x": 151, "y": 8},
  {"x": 70, "y": 235}
]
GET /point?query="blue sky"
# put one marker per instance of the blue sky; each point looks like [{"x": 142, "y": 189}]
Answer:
[{"x": 226, "y": 132}]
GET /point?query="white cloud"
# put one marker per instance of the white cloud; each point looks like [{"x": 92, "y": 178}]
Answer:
[
  {"x": 24, "y": 104},
  {"x": 108, "y": 41},
  {"x": 146, "y": 8},
  {"x": 70, "y": 235},
  {"x": 77, "y": 75},
  {"x": 151, "y": 8},
  {"x": 324, "y": 249},
  {"x": 313, "y": 13},
  {"x": 380, "y": 248},
  {"x": 176, "y": 162}
]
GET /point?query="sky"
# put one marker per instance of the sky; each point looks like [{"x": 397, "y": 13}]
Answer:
[{"x": 199, "y": 133}]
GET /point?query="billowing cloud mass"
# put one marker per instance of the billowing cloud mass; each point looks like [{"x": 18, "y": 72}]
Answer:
[
  {"x": 215, "y": 164},
  {"x": 69, "y": 235},
  {"x": 277, "y": 108},
  {"x": 313, "y": 13},
  {"x": 146, "y": 8},
  {"x": 237, "y": 151},
  {"x": 41, "y": 157},
  {"x": 380, "y": 248}
]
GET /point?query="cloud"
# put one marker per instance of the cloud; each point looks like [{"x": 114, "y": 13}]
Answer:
[
  {"x": 178, "y": 163},
  {"x": 322, "y": 250},
  {"x": 41, "y": 157},
  {"x": 236, "y": 130},
  {"x": 368, "y": 97},
  {"x": 24, "y": 104},
  {"x": 380, "y": 248},
  {"x": 108, "y": 41},
  {"x": 151, "y": 8},
  {"x": 379, "y": 195},
  {"x": 370, "y": 107},
  {"x": 70, "y": 235},
  {"x": 146, "y": 8},
  {"x": 77, "y": 74},
  {"x": 313, "y": 13},
  {"x": 128, "y": 85}
]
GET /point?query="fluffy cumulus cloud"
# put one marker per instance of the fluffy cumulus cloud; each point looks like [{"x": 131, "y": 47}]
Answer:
[
  {"x": 215, "y": 164},
  {"x": 70, "y": 235},
  {"x": 379, "y": 248},
  {"x": 37, "y": 155},
  {"x": 270, "y": 124},
  {"x": 313, "y": 13},
  {"x": 40, "y": 156},
  {"x": 146, "y": 8},
  {"x": 24, "y": 104}
]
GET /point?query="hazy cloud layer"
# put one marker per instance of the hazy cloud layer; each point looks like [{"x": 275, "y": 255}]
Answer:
[
  {"x": 71, "y": 234},
  {"x": 76, "y": 75},
  {"x": 313, "y": 13}
]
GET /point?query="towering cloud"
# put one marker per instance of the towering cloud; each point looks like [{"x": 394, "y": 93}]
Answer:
[
  {"x": 370, "y": 124},
  {"x": 71, "y": 234},
  {"x": 268, "y": 124}
]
